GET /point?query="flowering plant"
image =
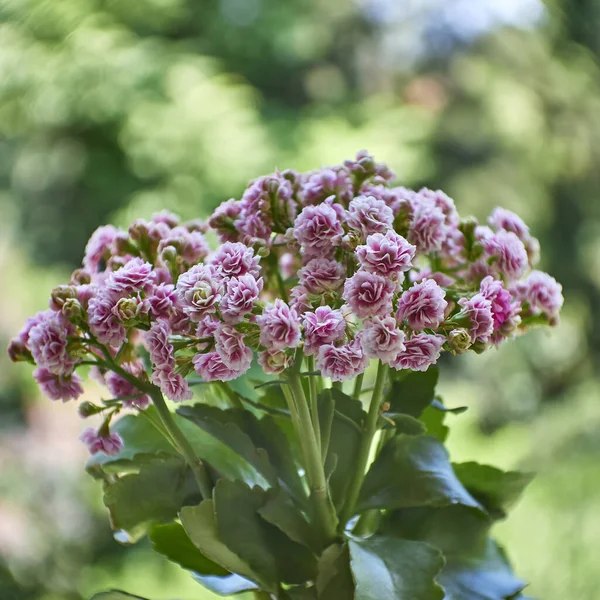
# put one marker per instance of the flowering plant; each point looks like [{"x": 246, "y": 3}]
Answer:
[{"x": 292, "y": 475}]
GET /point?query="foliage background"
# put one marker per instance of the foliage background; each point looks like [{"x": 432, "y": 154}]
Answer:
[{"x": 112, "y": 109}]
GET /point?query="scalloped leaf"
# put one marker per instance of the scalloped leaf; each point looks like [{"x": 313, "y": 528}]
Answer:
[{"x": 412, "y": 391}]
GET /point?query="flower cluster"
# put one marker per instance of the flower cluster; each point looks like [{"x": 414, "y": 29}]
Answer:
[{"x": 337, "y": 265}]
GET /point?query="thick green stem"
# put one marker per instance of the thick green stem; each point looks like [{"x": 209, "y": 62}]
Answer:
[
  {"x": 314, "y": 404},
  {"x": 358, "y": 386},
  {"x": 183, "y": 445},
  {"x": 315, "y": 472},
  {"x": 365, "y": 446}
]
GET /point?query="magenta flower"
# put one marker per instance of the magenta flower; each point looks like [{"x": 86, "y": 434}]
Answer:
[
  {"x": 422, "y": 306},
  {"x": 387, "y": 255},
  {"x": 240, "y": 297},
  {"x": 279, "y": 326},
  {"x": 212, "y": 368},
  {"x": 172, "y": 385},
  {"x": 200, "y": 290},
  {"x": 104, "y": 324},
  {"x": 134, "y": 276},
  {"x": 444, "y": 203},
  {"x": 511, "y": 259},
  {"x": 206, "y": 329},
  {"x": 231, "y": 348},
  {"x": 478, "y": 313},
  {"x": 324, "y": 326},
  {"x": 162, "y": 300},
  {"x": 324, "y": 183},
  {"x": 505, "y": 310},
  {"x": 191, "y": 246},
  {"x": 119, "y": 387},
  {"x": 368, "y": 215},
  {"x": 381, "y": 338},
  {"x": 274, "y": 362},
  {"x": 427, "y": 226},
  {"x": 300, "y": 300},
  {"x": 160, "y": 349},
  {"x": 342, "y": 362},
  {"x": 420, "y": 352},
  {"x": 234, "y": 259},
  {"x": 48, "y": 343},
  {"x": 318, "y": 230},
  {"x": 368, "y": 294},
  {"x": 543, "y": 294},
  {"x": 502, "y": 218},
  {"x": 58, "y": 387},
  {"x": 223, "y": 218},
  {"x": 321, "y": 275},
  {"x": 109, "y": 443},
  {"x": 99, "y": 247}
]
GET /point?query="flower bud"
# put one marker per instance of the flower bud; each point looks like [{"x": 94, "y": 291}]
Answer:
[
  {"x": 72, "y": 309},
  {"x": 169, "y": 254},
  {"x": 123, "y": 244},
  {"x": 81, "y": 277},
  {"x": 18, "y": 352},
  {"x": 138, "y": 230},
  {"x": 60, "y": 294},
  {"x": 262, "y": 250},
  {"x": 87, "y": 409},
  {"x": 459, "y": 341}
]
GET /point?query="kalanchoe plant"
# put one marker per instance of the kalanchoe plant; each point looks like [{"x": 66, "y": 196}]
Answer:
[{"x": 293, "y": 475}]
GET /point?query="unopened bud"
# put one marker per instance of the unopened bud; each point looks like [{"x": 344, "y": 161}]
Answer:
[
  {"x": 169, "y": 254},
  {"x": 81, "y": 277},
  {"x": 72, "y": 309},
  {"x": 87, "y": 409},
  {"x": 261, "y": 250},
  {"x": 123, "y": 244},
  {"x": 18, "y": 352},
  {"x": 60, "y": 294},
  {"x": 138, "y": 230},
  {"x": 459, "y": 341}
]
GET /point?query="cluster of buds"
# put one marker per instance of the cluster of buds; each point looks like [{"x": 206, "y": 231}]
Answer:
[{"x": 337, "y": 264}]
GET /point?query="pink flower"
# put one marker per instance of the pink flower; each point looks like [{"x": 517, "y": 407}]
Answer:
[
  {"x": 504, "y": 309},
  {"x": 223, "y": 218},
  {"x": 321, "y": 275},
  {"x": 478, "y": 312},
  {"x": 134, "y": 276},
  {"x": 200, "y": 290},
  {"x": 422, "y": 305},
  {"x": 166, "y": 217},
  {"x": 299, "y": 299},
  {"x": 444, "y": 203},
  {"x": 172, "y": 385},
  {"x": 240, "y": 297},
  {"x": 48, "y": 344},
  {"x": 159, "y": 347},
  {"x": 427, "y": 226},
  {"x": 231, "y": 348},
  {"x": 381, "y": 338},
  {"x": 212, "y": 368},
  {"x": 387, "y": 255},
  {"x": 58, "y": 387},
  {"x": 369, "y": 215},
  {"x": 369, "y": 295},
  {"x": 99, "y": 247},
  {"x": 509, "y": 252},
  {"x": 420, "y": 352},
  {"x": 109, "y": 443},
  {"x": 318, "y": 230},
  {"x": 234, "y": 259},
  {"x": 274, "y": 362},
  {"x": 289, "y": 264},
  {"x": 509, "y": 221},
  {"x": 102, "y": 320},
  {"x": 324, "y": 326},
  {"x": 191, "y": 246},
  {"x": 119, "y": 387},
  {"x": 162, "y": 300},
  {"x": 325, "y": 183},
  {"x": 342, "y": 362},
  {"x": 543, "y": 294},
  {"x": 279, "y": 326},
  {"x": 207, "y": 327}
]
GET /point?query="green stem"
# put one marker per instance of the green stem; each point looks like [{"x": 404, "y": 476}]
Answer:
[
  {"x": 365, "y": 446},
  {"x": 183, "y": 445},
  {"x": 337, "y": 385},
  {"x": 315, "y": 472},
  {"x": 231, "y": 394},
  {"x": 358, "y": 386},
  {"x": 314, "y": 404}
]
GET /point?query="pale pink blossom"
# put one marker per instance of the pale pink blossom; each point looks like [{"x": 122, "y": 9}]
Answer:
[
  {"x": 386, "y": 254},
  {"x": 230, "y": 346},
  {"x": 422, "y": 306},
  {"x": 368, "y": 294},
  {"x": 381, "y": 338},
  {"x": 211, "y": 367},
  {"x": 324, "y": 326},
  {"x": 109, "y": 443},
  {"x": 420, "y": 352},
  {"x": 279, "y": 326},
  {"x": 342, "y": 362},
  {"x": 58, "y": 387}
]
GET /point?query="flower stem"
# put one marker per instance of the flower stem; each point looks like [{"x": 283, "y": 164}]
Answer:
[
  {"x": 358, "y": 386},
  {"x": 365, "y": 446},
  {"x": 183, "y": 445},
  {"x": 314, "y": 404}
]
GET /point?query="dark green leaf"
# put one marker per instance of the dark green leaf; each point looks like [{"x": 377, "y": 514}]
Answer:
[
  {"x": 344, "y": 442},
  {"x": 225, "y": 586},
  {"x": 412, "y": 471},
  {"x": 433, "y": 420},
  {"x": 387, "y": 568},
  {"x": 403, "y": 424},
  {"x": 172, "y": 541},
  {"x": 262, "y": 545},
  {"x": 439, "y": 405},
  {"x": 495, "y": 489},
  {"x": 200, "y": 524},
  {"x": 153, "y": 494},
  {"x": 300, "y": 593},
  {"x": 411, "y": 392},
  {"x": 115, "y": 595},
  {"x": 334, "y": 577}
]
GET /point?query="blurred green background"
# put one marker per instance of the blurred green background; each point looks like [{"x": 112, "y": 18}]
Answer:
[{"x": 113, "y": 109}]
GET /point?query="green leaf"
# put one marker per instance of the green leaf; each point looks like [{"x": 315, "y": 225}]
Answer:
[
  {"x": 387, "y": 568},
  {"x": 410, "y": 393},
  {"x": 495, "y": 489},
  {"x": 259, "y": 441},
  {"x": 153, "y": 494},
  {"x": 200, "y": 524},
  {"x": 412, "y": 471},
  {"x": 115, "y": 595},
  {"x": 344, "y": 442},
  {"x": 334, "y": 577},
  {"x": 172, "y": 541},
  {"x": 476, "y": 567},
  {"x": 433, "y": 419},
  {"x": 262, "y": 545},
  {"x": 404, "y": 424},
  {"x": 439, "y": 405}
]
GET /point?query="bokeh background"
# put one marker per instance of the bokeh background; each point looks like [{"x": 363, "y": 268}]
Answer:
[{"x": 113, "y": 109}]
